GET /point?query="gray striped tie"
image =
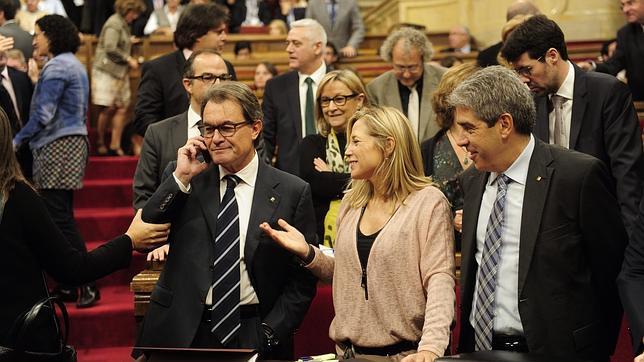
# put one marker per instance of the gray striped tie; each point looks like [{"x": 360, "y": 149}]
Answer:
[
  {"x": 486, "y": 278},
  {"x": 225, "y": 289}
]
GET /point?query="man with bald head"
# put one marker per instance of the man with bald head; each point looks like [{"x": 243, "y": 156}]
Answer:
[
  {"x": 460, "y": 41},
  {"x": 289, "y": 99},
  {"x": 488, "y": 56}
]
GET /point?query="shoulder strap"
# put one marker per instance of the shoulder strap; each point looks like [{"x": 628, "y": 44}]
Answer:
[{"x": 32, "y": 314}]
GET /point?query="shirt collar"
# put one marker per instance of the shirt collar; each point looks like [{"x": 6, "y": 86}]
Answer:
[
  {"x": 247, "y": 174},
  {"x": 193, "y": 117},
  {"x": 518, "y": 171},
  {"x": 5, "y": 73},
  {"x": 316, "y": 76},
  {"x": 566, "y": 88}
]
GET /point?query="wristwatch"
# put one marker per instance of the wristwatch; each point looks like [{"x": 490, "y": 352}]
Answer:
[{"x": 271, "y": 339}]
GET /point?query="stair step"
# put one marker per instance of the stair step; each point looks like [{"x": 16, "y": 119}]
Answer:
[
  {"x": 110, "y": 323},
  {"x": 103, "y": 223},
  {"x": 104, "y": 193},
  {"x": 113, "y": 167}
]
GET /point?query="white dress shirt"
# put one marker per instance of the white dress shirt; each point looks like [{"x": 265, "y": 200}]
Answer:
[
  {"x": 506, "y": 310},
  {"x": 244, "y": 197},
  {"x": 6, "y": 82},
  {"x": 317, "y": 78},
  {"x": 193, "y": 121},
  {"x": 565, "y": 90},
  {"x": 153, "y": 21}
]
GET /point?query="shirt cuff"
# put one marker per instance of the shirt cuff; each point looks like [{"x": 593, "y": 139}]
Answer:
[{"x": 185, "y": 189}]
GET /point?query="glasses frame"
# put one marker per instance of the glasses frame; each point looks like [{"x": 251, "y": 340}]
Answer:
[
  {"x": 326, "y": 101},
  {"x": 527, "y": 70},
  {"x": 407, "y": 68},
  {"x": 202, "y": 128},
  {"x": 205, "y": 77}
]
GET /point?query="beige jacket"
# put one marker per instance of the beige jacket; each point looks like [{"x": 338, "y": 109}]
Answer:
[
  {"x": 114, "y": 47},
  {"x": 410, "y": 276}
]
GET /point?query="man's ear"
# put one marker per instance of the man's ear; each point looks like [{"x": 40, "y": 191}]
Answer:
[
  {"x": 505, "y": 124},
  {"x": 256, "y": 128}
]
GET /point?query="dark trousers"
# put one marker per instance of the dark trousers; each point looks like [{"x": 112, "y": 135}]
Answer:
[{"x": 60, "y": 204}]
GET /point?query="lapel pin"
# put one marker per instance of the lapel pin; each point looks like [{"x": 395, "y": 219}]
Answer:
[
  {"x": 272, "y": 199},
  {"x": 538, "y": 178}
]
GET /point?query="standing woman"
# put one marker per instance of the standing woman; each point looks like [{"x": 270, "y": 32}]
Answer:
[
  {"x": 57, "y": 131},
  {"x": 393, "y": 270},
  {"x": 111, "y": 73},
  {"x": 322, "y": 162}
]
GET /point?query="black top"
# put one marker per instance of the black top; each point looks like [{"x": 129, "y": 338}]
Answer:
[
  {"x": 365, "y": 242},
  {"x": 31, "y": 243},
  {"x": 405, "y": 92},
  {"x": 325, "y": 186}
]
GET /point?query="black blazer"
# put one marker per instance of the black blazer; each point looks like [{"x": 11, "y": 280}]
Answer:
[
  {"x": 31, "y": 243},
  {"x": 161, "y": 94},
  {"x": 24, "y": 89},
  {"x": 571, "y": 249},
  {"x": 488, "y": 56},
  {"x": 283, "y": 121},
  {"x": 284, "y": 288},
  {"x": 160, "y": 145},
  {"x": 631, "y": 282},
  {"x": 629, "y": 55},
  {"x": 604, "y": 124}
]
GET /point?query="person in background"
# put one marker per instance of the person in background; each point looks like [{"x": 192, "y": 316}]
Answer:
[
  {"x": 16, "y": 59},
  {"x": 32, "y": 243},
  {"x": 9, "y": 27},
  {"x": 57, "y": 133},
  {"x": 243, "y": 50},
  {"x": 277, "y": 27},
  {"x": 164, "y": 19},
  {"x": 342, "y": 22},
  {"x": 263, "y": 72},
  {"x": 450, "y": 61},
  {"x": 460, "y": 41},
  {"x": 322, "y": 161},
  {"x": 443, "y": 159},
  {"x": 28, "y": 15},
  {"x": 111, "y": 74},
  {"x": 331, "y": 56},
  {"x": 393, "y": 270}
]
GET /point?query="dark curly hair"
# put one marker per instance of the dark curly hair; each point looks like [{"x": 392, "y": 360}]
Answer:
[
  {"x": 8, "y": 8},
  {"x": 61, "y": 33},
  {"x": 196, "y": 21},
  {"x": 535, "y": 35}
]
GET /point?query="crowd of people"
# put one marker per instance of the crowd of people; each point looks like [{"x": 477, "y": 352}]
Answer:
[{"x": 528, "y": 164}]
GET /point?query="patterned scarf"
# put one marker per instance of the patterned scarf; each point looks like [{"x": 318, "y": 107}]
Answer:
[{"x": 336, "y": 162}]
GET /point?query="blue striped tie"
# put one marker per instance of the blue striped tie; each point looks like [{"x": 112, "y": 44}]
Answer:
[
  {"x": 486, "y": 278},
  {"x": 225, "y": 289}
]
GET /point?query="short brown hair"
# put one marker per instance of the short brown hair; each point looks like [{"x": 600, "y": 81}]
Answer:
[
  {"x": 451, "y": 79},
  {"x": 122, "y": 7}
]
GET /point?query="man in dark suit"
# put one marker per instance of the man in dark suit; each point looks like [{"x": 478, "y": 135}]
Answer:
[
  {"x": 629, "y": 54},
  {"x": 225, "y": 283},
  {"x": 9, "y": 28},
  {"x": 631, "y": 284},
  {"x": 289, "y": 99},
  {"x": 341, "y": 21},
  {"x": 591, "y": 113},
  {"x": 543, "y": 239},
  {"x": 161, "y": 94},
  {"x": 162, "y": 139}
]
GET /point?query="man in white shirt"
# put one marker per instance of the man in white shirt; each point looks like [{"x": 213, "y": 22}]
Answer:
[
  {"x": 289, "y": 99},
  {"x": 225, "y": 283},
  {"x": 588, "y": 112},
  {"x": 543, "y": 239}
]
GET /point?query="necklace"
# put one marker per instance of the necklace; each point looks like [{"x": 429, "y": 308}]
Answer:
[{"x": 466, "y": 160}]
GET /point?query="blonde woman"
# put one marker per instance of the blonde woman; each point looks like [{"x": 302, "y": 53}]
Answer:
[
  {"x": 393, "y": 271},
  {"x": 340, "y": 94}
]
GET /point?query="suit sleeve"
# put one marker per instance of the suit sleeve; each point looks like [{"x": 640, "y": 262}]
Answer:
[
  {"x": 147, "y": 169},
  {"x": 631, "y": 282},
  {"x": 357, "y": 27},
  {"x": 292, "y": 305},
  {"x": 166, "y": 202},
  {"x": 606, "y": 239},
  {"x": 149, "y": 101},
  {"x": 111, "y": 37},
  {"x": 270, "y": 123},
  {"x": 623, "y": 144},
  {"x": 617, "y": 62}
]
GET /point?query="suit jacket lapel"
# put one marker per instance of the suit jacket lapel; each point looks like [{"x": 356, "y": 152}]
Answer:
[
  {"x": 293, "y": 99},
  {"x": 390, "y": 89},
  {"x": 180, "y": 132},
  {"x": 534, "y": 199},
  {"x": 542, "y": 131},
  {"x": 265, "y": 202},
  {"x": 579, "y": 104},
  {"x": 206, "y": 190}
]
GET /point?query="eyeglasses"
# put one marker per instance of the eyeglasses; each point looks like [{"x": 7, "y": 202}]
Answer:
[
  {"x": 339, "y": 100},
  {"x": 227, "y": 129},
  {"x": 527, "y": 70},
  {"x": 211, "y": 78},
  {"x": 409, "y": 68}
]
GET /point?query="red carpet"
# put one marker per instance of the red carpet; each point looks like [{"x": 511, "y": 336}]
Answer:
[{"x": 106, "y": 332}]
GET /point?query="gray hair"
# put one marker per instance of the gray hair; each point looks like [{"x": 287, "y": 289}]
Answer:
[
  {"x": 238, "y": 93},
  {"x": 315, "y": 30},
  {"x": 412, "y": 38},
  {"x": 493, "y": 91}
]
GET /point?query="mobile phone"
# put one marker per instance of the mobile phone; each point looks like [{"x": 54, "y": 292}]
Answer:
[{"x": 206, "y": 156}]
